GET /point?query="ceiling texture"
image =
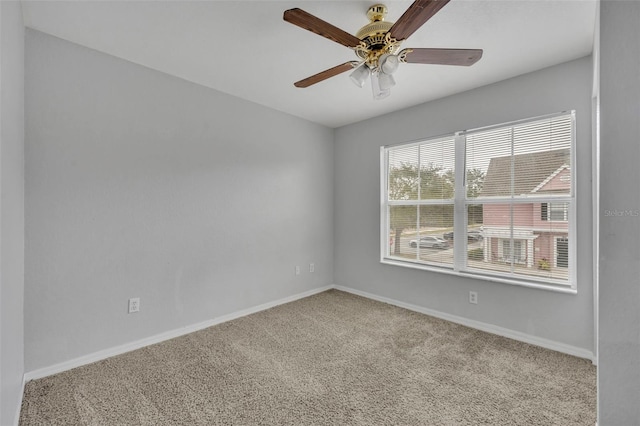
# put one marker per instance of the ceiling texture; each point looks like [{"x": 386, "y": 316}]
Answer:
[{"x": 246, "y": 49}]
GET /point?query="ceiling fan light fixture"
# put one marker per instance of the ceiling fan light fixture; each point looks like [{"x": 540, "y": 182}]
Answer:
[
  {"x": 378, "y": 91},
  {"x": 389, "y": 63},
  {"x": 360, "y": 74},
  {"x": 381, "y": 95},
  {"x": 386, "y": 81}
]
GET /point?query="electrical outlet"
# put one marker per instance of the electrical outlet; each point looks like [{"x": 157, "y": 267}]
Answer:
[
  {"x": 312, "y": 267},
  {"x": 297, "y": 270},
  {"x": 473, "y": 297},
  {"x": 134, "y": 305}
]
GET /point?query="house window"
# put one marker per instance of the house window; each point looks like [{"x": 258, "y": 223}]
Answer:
[
  {"x": 558, "y": 212},
  {"x": 512, "y": 255},
  {"x": 495, "y": 203},
  {"x": 562, "y": 252}
]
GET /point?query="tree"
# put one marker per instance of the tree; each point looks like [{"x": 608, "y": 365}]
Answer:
[
  {"x": 437, "y": 184},
  {"x": 475, "y": 181},
  {"x": 403, "y": 185}
]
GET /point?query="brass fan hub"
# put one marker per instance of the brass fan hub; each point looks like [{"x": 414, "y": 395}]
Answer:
[
  {"x": 378, "y": 27},
  {"x": 375, "y": 36}
]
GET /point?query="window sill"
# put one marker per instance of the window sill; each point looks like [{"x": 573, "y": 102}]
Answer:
[{"x": 558, "y": 288}]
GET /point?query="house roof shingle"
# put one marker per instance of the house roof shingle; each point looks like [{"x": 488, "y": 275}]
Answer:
[{"x": 529, "y": 171}]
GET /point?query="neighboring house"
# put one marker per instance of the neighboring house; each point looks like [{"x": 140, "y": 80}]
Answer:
[{"x": 540, "y": 230}]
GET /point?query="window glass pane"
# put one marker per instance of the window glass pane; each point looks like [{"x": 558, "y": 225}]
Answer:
[
  {"x": 437, "y": 170},
  {"x": 541, "y": 156},
  {"x": 549, "y": 134},
  {"x": 484, "y": 226},
  {"x": 436, "y": 221},
  {"x": 475, "y": 235},
  {"x": 513, "y": 241},
  {"x": 403, "y": 173},
  {"x": 402, "y": 224},
  {"x": 521, "y": 161},
  {"x": 421, "y": 241},
  {"x": 488, "y": 149}
]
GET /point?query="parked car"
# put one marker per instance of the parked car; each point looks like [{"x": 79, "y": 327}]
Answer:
[
  {"x": 430, "y": 242},
  {"x": 475, "y": 235},
  {"x": 471, "y": 236}
]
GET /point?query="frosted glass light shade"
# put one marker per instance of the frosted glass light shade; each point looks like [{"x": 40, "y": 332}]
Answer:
[
  {"x": 386, "y": 81},
  {"x": 359, "y": 75},
  {"x": 389, "y": 63},
  {"x": 378, "y": 92}
]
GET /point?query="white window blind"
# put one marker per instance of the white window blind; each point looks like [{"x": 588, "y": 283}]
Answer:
[
  {"x": 420, "y": 188},
  {"x": 495, "y": 202}
]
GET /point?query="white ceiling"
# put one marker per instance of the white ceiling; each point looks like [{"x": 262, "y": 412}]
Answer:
[{"x": 244, "y": 48}]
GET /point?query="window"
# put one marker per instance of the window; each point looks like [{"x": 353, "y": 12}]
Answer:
[
  {"x": 421, "y": 180},
  {"x": 496, "y": 203},
  {"x": 554, "y": 211},
  {"x": 512, "y": 255}
]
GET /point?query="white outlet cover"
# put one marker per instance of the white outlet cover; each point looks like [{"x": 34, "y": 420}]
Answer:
[{"x": 134, "y": 305}]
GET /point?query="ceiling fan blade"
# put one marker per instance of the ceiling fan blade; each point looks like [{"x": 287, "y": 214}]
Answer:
[
  {"x": 311, "y": 23},
  {"x": 317, "y": 78},
  {"x": 414, "y": 17},
  {"x": 464, "y": 57}
]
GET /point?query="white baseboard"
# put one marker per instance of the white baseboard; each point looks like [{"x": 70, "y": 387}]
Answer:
[
  {"x": 117, "y": 350},
  {"x": 489, "y": 328},
  {"x": 128, "y": 347},
  {"x": 16, "y": 417}
]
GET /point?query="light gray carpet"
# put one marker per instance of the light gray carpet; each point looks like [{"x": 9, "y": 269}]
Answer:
[{"x": 330, "y": 359}]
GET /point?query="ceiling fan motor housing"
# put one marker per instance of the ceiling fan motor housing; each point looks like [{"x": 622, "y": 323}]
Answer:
[{"x": 374, "y": 36}]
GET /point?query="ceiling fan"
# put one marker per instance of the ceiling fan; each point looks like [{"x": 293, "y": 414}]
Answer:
[{"x": 377, "y": 45}]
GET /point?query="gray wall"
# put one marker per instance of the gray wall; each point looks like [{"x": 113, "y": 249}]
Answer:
[
  {"x": 11, "y": 208},
  {"x": 619, "y": 282},
  {"x": 563, "y": 318},
  {"x": 140, "y": 184}
]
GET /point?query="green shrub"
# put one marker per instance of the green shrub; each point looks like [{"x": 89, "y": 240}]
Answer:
[
  {"x": 476, "y": 254},
  {"x": 543, "y": 264}
]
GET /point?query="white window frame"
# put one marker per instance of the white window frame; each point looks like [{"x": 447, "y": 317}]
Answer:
[{"x": 460, "y": 267}]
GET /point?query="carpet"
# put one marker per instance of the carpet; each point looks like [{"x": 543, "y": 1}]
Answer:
[{"x": 330, "y": 359}]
